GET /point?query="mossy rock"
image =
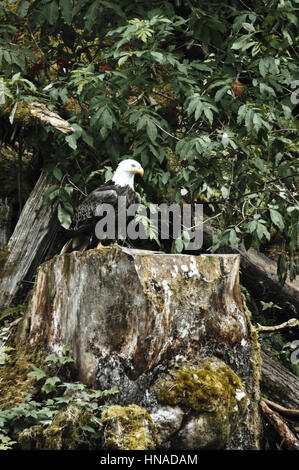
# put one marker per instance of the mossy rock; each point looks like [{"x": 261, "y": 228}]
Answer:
[
  {"x": 214, "y": 400},
  {"x": 129, "y": 428},
  {"x": 203, "y": 387}
]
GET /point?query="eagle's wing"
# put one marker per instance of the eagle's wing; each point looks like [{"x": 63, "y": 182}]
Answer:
[{"x": 86, "y": 214}]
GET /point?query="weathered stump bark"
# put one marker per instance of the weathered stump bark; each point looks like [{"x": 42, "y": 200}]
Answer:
[
  {"x": 5, "y": 222},
  {"x": 28, "y": 245},
  {"x": 138, "y": 321}
]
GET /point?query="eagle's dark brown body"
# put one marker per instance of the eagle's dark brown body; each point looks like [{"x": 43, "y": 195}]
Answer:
[{"x": 82, "y": 229}]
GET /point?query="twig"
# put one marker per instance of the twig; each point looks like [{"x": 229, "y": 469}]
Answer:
[
  {"x": 288, "y": 324},
  {"x": 282, "y": 409},
  {"x": 164, "y": 96},
  {"x": 289, "y": 439},
  {"x": 137, "y": 99},
  {"x": 163, "y": 130},
  {"x": 76, "y": 187}
]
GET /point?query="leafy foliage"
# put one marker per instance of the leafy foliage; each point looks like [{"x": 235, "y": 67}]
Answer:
[
  {"x": 200, "y": 94},
  {"x": 10, "y": 313},
  {"x": 53, "y": 399}
]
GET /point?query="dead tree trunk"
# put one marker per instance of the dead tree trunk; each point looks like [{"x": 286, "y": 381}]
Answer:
[
  {"x": 5, "y": 221},
  {"x": 258, "y": 273},
  {"x": 278, "y": 383},
  {"x": 28, "y": 245}
]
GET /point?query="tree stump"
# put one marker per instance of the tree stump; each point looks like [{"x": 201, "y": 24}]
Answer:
[{"x": 133, "y": 319}]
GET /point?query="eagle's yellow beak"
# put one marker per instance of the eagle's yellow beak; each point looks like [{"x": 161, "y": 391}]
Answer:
[{"x": 140, "y": 171}]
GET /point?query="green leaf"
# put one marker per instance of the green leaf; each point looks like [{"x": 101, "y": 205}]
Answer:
[
  {"x": 282, "y": 268},
  {"x": 221, "y": 92},
  {"x": 251, "y": 226},
  {"x": 257, "y": 121},
  {"x": 262, "y": 231},
  {"x": 249, "y": 27},
  {"x": 266, "y": 90},
  {"x": 49, "y": 192},
  {"x": 64, "y": 216},
  {"x": 57, "y": 173},
  {"x": 263, "y": 67},
  {"x": 179, "y": 245},
  {"x": 66, "y": 7},
  {"x": 12, "y": 113},
  {"x": 51, "y": 12},
  {"x": 37, "y": 373},
  {"x": 239, "y": 43},
  {"x": 158, "y": 57},
  {"x": 107, "y": 118},
  {"x": 72, "y": 141},
  {"x": 259, "y": 163},
  {"x": 277, "y": 219},
  {"x": 198, "y": 111},
  {"x": 123, "y": 59},
  {"x": 151, "y": 129},
  {"x": 91, "y": 15},
  {"x": 52, "y": 358},
  {"x": 23, "y": 8},
  {"x": 209, "y": 115},
  {"x": 50, "y": 384}
]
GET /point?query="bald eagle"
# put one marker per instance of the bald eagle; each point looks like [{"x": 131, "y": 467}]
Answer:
[{"x": 81, "y": 232}]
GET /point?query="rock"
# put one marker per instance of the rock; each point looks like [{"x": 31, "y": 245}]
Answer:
[
  {"x": 214, "y": 398},
  {"x": 130, "y": 316},
  {"x": 129, "y": 428},
  {"x": 168, "y": 420},
  {"x": 200, "y": 433}
]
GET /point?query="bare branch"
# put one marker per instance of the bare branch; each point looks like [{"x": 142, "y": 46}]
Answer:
[{"x": 288, "y": 324}]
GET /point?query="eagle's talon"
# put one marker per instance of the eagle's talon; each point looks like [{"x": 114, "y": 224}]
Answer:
[{"x": 102, "y": 247}]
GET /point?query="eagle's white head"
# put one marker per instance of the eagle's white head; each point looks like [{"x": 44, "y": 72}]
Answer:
[{"x": 125, "y": 172}]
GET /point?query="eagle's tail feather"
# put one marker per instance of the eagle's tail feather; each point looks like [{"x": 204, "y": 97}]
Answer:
[
  {"x": 79, "y": 243},
  {"x": 66, "y": 246}
]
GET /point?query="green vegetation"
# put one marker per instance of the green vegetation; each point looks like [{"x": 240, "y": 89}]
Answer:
[{"x": 36, "y": 406}]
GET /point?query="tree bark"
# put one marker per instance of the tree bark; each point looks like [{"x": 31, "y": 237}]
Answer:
[
  {"x": 5, "y": 221},
  {"x": 28, "y": 245},
  {"x": 278, "y": 383}
]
